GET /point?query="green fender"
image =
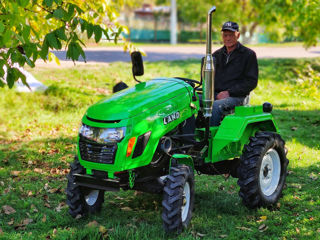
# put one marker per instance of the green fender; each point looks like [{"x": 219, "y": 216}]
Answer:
[
  {"x": 235, "y": 131},
  {"x": 182, "y": 159}
]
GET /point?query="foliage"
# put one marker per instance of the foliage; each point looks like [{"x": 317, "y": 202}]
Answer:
[
  {"x": 29, "y": 29},
  {"x": 297, "y": 19},
  {"x": 37, "y": 143}
]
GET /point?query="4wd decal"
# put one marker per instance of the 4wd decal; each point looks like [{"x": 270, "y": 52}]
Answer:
[{"x": 171, "y": 117}]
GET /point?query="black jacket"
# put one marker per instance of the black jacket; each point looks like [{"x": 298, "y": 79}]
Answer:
[{"x": 238, "y": 73}]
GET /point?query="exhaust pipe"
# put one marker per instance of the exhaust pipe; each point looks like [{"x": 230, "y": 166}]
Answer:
[{"x": 208, "y": 71}]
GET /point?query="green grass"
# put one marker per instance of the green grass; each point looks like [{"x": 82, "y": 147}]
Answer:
[{"x": 37, "y": 138}]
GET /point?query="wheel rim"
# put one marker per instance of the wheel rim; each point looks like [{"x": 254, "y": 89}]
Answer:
[
  {"x": 92, "y": 197},
  {"x": 270, "y": 172},
  {"x": 185, "y": 202}
]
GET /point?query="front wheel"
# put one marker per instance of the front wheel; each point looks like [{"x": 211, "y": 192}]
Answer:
[
  {"x": 82, "y": 200},
  {"x": 263, "y": 169},
  {"x": 178, "y": 199}
]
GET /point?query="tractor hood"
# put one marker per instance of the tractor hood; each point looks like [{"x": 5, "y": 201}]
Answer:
[{"x": 138, "y": 99}]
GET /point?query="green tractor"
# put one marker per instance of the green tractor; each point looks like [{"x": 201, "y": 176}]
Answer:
[{"x": 152, "y": 137}]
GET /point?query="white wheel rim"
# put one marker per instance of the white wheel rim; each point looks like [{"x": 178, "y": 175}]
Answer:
[
  {"x": 185, "y": 202},
  {"x": 270, "y": 172},
  {"x": 92, "y": 197}
]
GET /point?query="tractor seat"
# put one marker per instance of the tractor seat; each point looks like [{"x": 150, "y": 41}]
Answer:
[{"x": 246, "y": 102}]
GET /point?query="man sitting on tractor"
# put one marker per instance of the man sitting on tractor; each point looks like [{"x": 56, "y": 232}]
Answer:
[{"x": 236, "y": 73}]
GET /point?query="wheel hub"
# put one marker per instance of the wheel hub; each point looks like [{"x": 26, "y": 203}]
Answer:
[
  {"x": 185, "y": 202},
  {"x": 270, "y": 172}
]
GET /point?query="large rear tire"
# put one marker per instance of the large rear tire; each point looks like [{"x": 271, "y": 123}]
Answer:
[
  {"x": 178, "y": 199},
  {"x": 263, "y": 170},
  {"x": 82, "y": 200}
]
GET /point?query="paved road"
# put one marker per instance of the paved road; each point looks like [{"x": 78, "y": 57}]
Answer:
[{"x": 171, "y": 53}]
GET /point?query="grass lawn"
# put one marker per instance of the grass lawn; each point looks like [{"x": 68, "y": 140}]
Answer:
[{"x": 37, "y": 142}]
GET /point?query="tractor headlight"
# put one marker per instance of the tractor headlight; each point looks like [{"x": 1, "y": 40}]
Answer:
[{"x": 103, "y": 135}]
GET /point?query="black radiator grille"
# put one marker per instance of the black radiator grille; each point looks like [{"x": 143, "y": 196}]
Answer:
[{"x": 95, "y": 152}]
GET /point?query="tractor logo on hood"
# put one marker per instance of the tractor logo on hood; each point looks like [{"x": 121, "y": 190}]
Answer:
[{"x": 171, "y": 118}]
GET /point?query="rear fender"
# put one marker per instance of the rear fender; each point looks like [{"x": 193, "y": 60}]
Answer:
[
  {"x": 235, "y": 131},
  {"x": 181, "y": 159}
]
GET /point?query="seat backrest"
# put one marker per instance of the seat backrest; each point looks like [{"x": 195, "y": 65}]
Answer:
[{"x": 246, "y": 100}]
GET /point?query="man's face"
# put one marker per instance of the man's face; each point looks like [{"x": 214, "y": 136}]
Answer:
[{"x": 230, "y": 38}]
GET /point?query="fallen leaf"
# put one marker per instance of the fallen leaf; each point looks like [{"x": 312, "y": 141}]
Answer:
[
  {"x": 127, "y": 209},
  {"x": 263, "y": 228},
  {"x": 313, "y": 177},
  {"x": 278, "y": 205},
  {"x": 92, "y": 224},
  {"x": 44, "y": 219},
  {"x": 61, "y": 206},
  {"x": 102, "y": 229},
  {"x": 200, "y": 235},
  {"x": 2, "y": 183},
  {"x": 311, "y": 218},
  {"x": 27, "y": 221},
  {"x": 30, "y": 194},
  {"x": 223, "y": 236},
  {"x": 15, "y": 173},
  {"x": 1, "y": 232},
  {"x": 263, "y": 218},
  {"x": 54, "y": 190},
  {"x": 296, "y": 197},
  {"x": 33, "y": 208},
  {"x": 78, "y": 216},
  {"x": 38, "y": 170},
  {"x": 30, "y": 162},
  {"x": 54, "y": 232},
  {"x": 298, "y": 230},
  {"x": 294, "y": 128},
  {"x": 11, "y": 222},
  {"x": 47, "y": 205},
  {"x": 244, "y": 228},
  {"x": 8, "y": 209}
]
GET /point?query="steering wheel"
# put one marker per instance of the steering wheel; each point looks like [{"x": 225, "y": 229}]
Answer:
[{"x": 190, "y": 81}]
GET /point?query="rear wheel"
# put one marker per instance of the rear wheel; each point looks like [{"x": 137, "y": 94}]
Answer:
[
  {"x": 178, "y": 199},
  {"x": 263, "y": 169},
  {"x": 82, "y": 200}
]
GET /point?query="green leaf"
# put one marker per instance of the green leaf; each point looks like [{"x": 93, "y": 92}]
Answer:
[
  {"x": 53, "y": 41},
  {"x": 80, "y": 50},
  {"x": 79, "y": 10},
  {"x": 29, "y": 62},
  {"x": 11, "y": 77},
  {"x": 74, "y": 23},
  {"x": 73, "y": 51},
  {"x": 48, "y": 2},
  {"x": 23, "y": 3},
  {"x": 60, "y": 33},
  {"x": 83, "y": 25},
  {"x": 26, "y": 33},
  {"x": 50, "y": 15},
  {"x": 58, "y": 2},
  {"x": 59, "y": 13},
  {"x": 97, "y": 33},
  {"x": 44, "y": 50},
  {"x": 89, "y": 30},
  {"x": 70, "y": 12}
]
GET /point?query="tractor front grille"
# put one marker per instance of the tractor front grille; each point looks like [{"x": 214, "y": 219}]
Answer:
[{"x": 95, "y": 152}]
